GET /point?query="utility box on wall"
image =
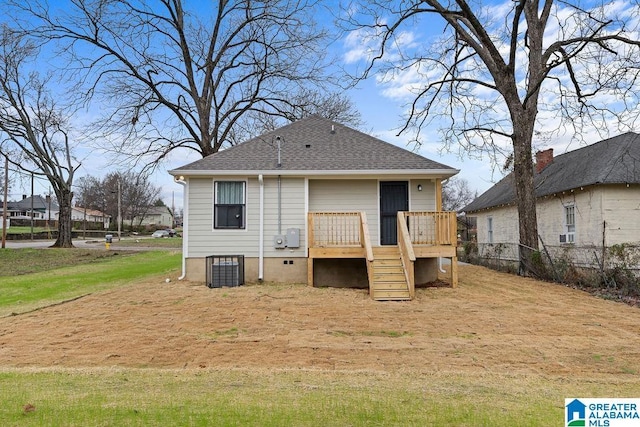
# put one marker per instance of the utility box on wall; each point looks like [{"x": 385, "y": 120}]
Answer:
[
  {"x": 293, "y": 237},
  {"x": 279, "y": 241}
]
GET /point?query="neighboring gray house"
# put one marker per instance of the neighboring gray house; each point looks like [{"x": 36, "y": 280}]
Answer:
[
  {"x": 317, "y": 202},
  {"x": 589, "y": 196},
  {"x": 39, "y": 207},
  {"x": 158, "y": 216}
]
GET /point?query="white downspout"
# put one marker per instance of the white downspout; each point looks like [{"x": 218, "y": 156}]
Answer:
[
  {"x": 442, "y": 270},
  {"x": 261, "y": 235},
  {"x": 185, "y": 215}
]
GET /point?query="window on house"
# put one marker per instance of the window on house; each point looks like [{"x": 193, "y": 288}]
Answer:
[
  {"x": 229, "y": 204},
  {"x": 570, "y": 223},
  {"x": 490, "y": 230}
]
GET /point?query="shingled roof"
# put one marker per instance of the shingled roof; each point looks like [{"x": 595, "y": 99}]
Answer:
[
  {"x": 611, "y": 161},
  {"x": 317, "y": 145}
]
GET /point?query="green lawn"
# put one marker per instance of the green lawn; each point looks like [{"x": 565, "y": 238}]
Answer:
[
  {"x": 14, "y": 262},
  {"x": 24, "y": 230},
  {"x": 139, "y": 397},
  {"x": 53, "y": 282}
]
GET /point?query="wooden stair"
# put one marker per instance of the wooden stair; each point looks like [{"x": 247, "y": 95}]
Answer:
[{"x": 389, "y": 282}]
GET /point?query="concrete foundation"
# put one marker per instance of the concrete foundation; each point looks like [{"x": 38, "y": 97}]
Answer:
[
  {"x": 345, "y": 273},
  {"x": 279, "y": 270},
  {"x": 425, "y": 270}
]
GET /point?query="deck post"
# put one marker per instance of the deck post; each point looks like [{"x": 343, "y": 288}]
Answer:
[
  {"x": 311, "y": 244},
  {"x": 310, "y": 271},
  {"x": 454, "y": 271}
]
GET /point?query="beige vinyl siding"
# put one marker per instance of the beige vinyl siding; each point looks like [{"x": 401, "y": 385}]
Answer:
[
  {"x": 424, "y": 200},
  {"x": 621, "y": 213},
  {"x": 292, "y": 214},
  {"x": 205, "y": 240},
  {"x": 347, "y": 195}
]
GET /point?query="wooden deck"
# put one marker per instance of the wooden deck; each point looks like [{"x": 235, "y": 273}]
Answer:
[{"x": 391, "y": 268}]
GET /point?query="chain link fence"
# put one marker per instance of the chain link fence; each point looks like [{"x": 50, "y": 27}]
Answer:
[{"x": 612, "y": 271}]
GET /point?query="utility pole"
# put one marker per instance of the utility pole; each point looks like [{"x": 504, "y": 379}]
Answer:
[
  {"x": 119, "y": 208},
  {"x": 31, "y": 206},
  {"x": 6, "y": 193}
]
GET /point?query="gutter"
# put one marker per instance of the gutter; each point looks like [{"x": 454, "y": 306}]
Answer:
[
  {"x": 423, "y": 173},
  {"x": 185, "y": 197}
]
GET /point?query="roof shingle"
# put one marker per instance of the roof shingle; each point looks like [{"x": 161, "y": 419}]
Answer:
[
  {"x": 314, "y": 144},
  {"x": 611, "y": 161}
]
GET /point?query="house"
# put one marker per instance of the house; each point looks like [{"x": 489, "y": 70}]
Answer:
[
  {"x": 320, "y": 203},
  {"x": 79, "y": 213},
  {"x": 589, "y": 196},
  {"x": 42, "y": 208},
  {"x": 158, "y": 216}
]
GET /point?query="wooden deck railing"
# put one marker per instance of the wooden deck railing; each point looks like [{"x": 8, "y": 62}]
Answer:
[
  {"x": 432, "y": 228},
  {"x": 335, "y": 229},
  {"x": 407, "y": 255},
  {"x": 332, "y": 232}
]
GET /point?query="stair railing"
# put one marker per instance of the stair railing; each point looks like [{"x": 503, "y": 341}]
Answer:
[
  {"x": 366, "y": 243},
  {"x": 407, "y": 255}
]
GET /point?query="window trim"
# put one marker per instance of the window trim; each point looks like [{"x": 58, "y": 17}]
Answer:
[
  {"x": 490, "y": 229},
  {"x": 244, "y": 205},
  {"x": 571, "y": 235}
]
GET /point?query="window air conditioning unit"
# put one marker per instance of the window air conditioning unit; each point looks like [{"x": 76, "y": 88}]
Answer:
[{"x": 567, "y": 238}]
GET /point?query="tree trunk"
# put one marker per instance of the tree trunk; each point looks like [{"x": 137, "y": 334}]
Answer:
[
  {"x": 64, "y": 220},
  {"x": 525, "y": 190}
]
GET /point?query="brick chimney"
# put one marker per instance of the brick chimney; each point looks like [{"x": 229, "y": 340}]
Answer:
[{"x": 543, "y": 159}]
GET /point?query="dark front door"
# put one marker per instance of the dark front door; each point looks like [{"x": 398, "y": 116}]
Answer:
[{"x": 394, "y": 197}]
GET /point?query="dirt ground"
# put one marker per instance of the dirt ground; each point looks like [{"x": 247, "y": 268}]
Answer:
[{"x": 491, "y": 322}]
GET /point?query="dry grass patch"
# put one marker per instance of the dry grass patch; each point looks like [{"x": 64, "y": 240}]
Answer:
[{"x": 491, "y": 323}]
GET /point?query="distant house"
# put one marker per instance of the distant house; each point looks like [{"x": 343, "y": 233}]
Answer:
[
  {"x": 36, "y": 207},
  {"x": 320, "y": 203},
  {"x": 158, "y": 216},
  {"x": 589, "y": 196},
  {"x": 79, "y": 213}
]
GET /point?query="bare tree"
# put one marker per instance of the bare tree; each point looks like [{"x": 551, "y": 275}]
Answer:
[
  {"x": 456, "y": 194},
  {"x": 137, "y": 194},
  {"x": 33, "y": 126},
  {"x": 486, "y": 80},
  {"x": 333, "y": 106},
  {"x": 170, "y": 77}
]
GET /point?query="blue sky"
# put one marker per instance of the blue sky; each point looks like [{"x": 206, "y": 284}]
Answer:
[{"x": 381, "y": 103}]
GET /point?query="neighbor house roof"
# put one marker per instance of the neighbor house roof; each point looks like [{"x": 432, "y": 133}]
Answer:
[
  {"x": 90, "y": 212},
  {"x": 314, "y": 144},
  {"x": 39, "y": 204},
  {"x": 158, "y": 210},
  {"x": 611, "y": 161}
]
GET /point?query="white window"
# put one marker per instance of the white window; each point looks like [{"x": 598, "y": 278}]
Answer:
[
  {"x": 570, "y": 223},
  {"x": 229, "y": 205},
  {"x": 490, "y": 229}
]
